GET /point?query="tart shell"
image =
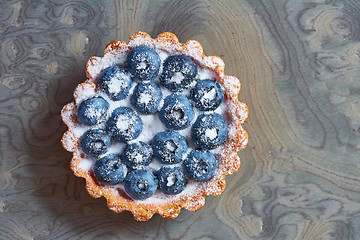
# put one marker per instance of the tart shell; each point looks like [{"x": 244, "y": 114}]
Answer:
[{"x": 228, "y": 160}]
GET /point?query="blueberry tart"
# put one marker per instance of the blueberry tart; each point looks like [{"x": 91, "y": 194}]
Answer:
[{"x": 156, "y": 126}]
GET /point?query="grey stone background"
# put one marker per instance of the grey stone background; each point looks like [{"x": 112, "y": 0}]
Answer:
[{"x": 298, "y": 62}]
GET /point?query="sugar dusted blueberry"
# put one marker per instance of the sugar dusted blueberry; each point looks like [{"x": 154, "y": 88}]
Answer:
[
  {"x": 177, "y": 112},
  {"x": 140, "y": 184},
  {"x": 207, "y": 95},
  {"x": 124, "y": 124},
  {"x": 92, "y": 111},
  {"x": 146, "y": 97},
  {"x": 209, "y": 131},
  {"x": 171, "y": 180},
  {"x": 200, "y": 165},
  {"x": 143, "y": 63},
  {"x": 137, "y": 155},
  {"x": 178, "y": 72},
  {"x": 115, "y": 82},
  {"x": 95, "y": 142},
  {"x": 169, "y": 147},
  {"x": 109, "y": 170}
]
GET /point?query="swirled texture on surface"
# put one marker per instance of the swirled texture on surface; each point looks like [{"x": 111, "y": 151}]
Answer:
[{"x": 298, "y": 62}]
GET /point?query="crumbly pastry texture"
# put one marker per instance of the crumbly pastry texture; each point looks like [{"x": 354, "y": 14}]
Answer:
[{"x": 193, "y": 198}]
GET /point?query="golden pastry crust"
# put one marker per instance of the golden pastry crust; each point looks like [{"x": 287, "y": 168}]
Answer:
[{"x": 228, "y": 160}]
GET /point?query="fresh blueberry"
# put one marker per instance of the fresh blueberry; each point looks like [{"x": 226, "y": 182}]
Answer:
[
  {"x": 207, "y": 95},
  {"x": 109, "y": 170},
  {"x": 115, "y": 82},
  {"x": 124, "y": 124},
  {"x": 137, "y": 155},
  {"x": 171, "y": 180},
  {"x": 200, "y": 165},
  {"x": 140, "y": 184},
  {"x": 178, "y": 72},
  {"x": 177, "y": 112},
  {"x": 209, "y": 131},
  {"x": 146, "y": 97},
  {"x": 95, "y": 142},
  {"x": 92, "y": 111},
  {"x": 143, "y": 63},
  {"x": 169, "y": 147}
]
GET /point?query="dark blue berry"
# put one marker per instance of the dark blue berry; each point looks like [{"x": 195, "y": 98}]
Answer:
[
  {"x": 146, "y": 97},
  {"x": 124, "y": 124},
  {"x": 109, "y": 170},
  {"x": 95, "y": 142},
  {"x": 137, "y": 155},
  {"x": 209, "y": 131},
  {"x": 178, "y": 72},
  {"x": 207, "y": 95},
  {"x": 92, "y": 111},
  {"x": 177, "y": 112},
  {"x": 143, "y": 63},
  {"x": 115, "y": 82},
  {"x": 200, "y": 165},
  {"x": 171, "y": 180},
  {"x": 169, "y": 147},
  {"x": 140, "y": 184}
]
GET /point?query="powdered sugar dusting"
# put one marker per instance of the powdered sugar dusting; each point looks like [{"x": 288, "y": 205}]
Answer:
[
  {"x": 138, "y": 157},
  {"x": 170, "y": 146},
  {"x": 145, "y": 98},
  {"x": 91, "y": 112},
  {"x": 83, "y": 92},
  {"x": 209, "y": 95},
  {"x": 86, "y": 164},
  {"x": 151, "y": 123},
  {"x": 151, "y": 126},
  {"x": 117, "y": 85},
  {"x": 123, "y": 123},
  {"x": 205, "y": 73},
  {"x": 170, "y": 180},
  {"x": 177, "y": 77},
  {"x": 142, "y": 65},
  {"x": 211, "y": 133}
]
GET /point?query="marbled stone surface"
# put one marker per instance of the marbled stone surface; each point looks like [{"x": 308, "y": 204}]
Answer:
[{"x": 299, "y": 64}]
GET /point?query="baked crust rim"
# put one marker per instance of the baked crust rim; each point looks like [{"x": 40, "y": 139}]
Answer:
[{"x": 228, "y": 160}]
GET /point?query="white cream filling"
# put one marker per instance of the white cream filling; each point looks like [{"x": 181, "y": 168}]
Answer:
[{"x": 151, "y": 123}]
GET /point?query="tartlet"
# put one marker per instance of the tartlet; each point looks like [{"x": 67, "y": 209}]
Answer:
[{"x": 192, "y": 196}]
